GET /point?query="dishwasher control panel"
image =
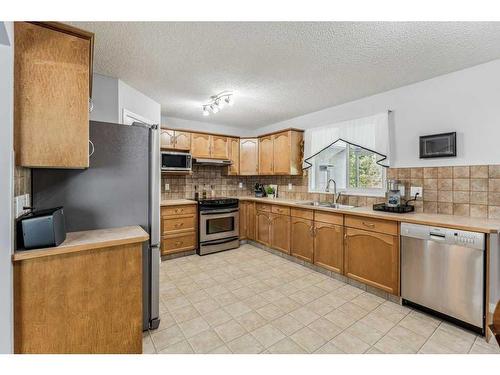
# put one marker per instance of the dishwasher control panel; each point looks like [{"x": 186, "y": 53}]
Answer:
[{"x": 445, "y": 235}]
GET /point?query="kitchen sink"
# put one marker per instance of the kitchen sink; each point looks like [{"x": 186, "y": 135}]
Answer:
[{"x": 326, "y": 205}]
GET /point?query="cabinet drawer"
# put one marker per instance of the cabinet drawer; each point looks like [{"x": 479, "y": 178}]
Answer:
[
  {"x": 327, "y": 217},
  {"x": 374, "y": 225},
  {"x": 180, "y": 224},
  {"x": 282, "y": 210},
  {"x": 302, "y": 213},
  {"x": 178, "y": 210},
  {"x": 263, "y": 207},
  {"x": 181, "y": 242}
]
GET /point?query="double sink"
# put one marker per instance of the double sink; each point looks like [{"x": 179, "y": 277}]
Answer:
[{"x": 326, "y": 205}]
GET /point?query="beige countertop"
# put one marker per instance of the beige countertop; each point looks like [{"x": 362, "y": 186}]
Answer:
[
  {"x": 88, "y": 240},
  {"x": 450, "y": 221},
  {"x": 176, "y": 202}
]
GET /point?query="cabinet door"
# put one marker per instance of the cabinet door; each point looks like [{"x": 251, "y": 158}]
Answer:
[
  {"x": 234, "y": 156},
  {"x": 329, "y": 246},
  {"x": 280, "y": 232},
  {"x": 167, "y": 138},
  {"x": 182, "y": 140},
  {"x": 372, "y": 258},
  {"x": 51, "y": 96},
  {"x": 200, "y": 145},
  {"x": 281, "y": 153},
  {"x": 302, "y": 241},
  {"x": 249, "y": 157},
  {"x": 219, "y": 147},
  {"x": 251, "y": 219},
  {"x": 243, "y": 220},
  {"x": 263, "y": 228},
  {"x": 266, "y": 155}
]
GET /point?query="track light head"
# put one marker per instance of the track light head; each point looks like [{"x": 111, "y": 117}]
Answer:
[
  {"x": 214, "y": 108},
  {"x": 205, "y": 111},
  {"x": 229, "y": 99}
]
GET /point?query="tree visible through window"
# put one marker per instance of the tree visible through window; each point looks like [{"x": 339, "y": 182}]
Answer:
[{"x": 353, "y": 168}]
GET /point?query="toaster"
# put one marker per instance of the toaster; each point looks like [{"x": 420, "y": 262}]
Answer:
[{"x": 41, "y": 228}]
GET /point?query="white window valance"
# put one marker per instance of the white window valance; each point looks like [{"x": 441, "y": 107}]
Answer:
[{"x": 371, "y": 133}]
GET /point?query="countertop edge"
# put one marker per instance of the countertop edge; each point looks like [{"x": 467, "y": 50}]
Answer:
[
  {"x": 176, "y": 202},
  {"x": 20, "y": 255},
  {"x": 439, "y": 222}
]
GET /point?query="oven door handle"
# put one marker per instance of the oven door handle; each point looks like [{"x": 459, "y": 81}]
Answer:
[
  {"x": 218, "y": 242},
  {"x": 215, "y": 212}
]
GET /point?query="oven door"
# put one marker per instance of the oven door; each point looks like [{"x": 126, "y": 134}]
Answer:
[{"x": 219, "y": 224}]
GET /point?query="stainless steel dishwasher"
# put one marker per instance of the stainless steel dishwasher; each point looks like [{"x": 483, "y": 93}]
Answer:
[{"x": 443, "y": 272}]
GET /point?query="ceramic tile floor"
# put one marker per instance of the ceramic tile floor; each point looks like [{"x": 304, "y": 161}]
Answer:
[{"x": 250, "y": 301}]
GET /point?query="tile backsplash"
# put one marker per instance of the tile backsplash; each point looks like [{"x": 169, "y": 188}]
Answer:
[
  {"x": 22, "y": 181},
  {"x": 463, "y": 191}
]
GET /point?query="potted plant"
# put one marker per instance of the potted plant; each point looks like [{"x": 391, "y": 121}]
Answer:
[{"x": 270, "y": 192}]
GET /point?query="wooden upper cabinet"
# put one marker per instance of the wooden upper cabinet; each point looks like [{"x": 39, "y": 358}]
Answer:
[
  {"x": 280, "y": 232},
  {"x": 301, "y": 238},
  {"x": 167, "y": 138},
  {"x": 219, "y": 147},
  {"x": 182, "y": 140},
  {"x": 200, "y": 145},
  {"x": 372, "y": 258},
  {"x": 281, "y": 153},
  {"x": 249, "y": 156},
  {"x": 329, "y": 246},
  {"x": 234, "y": 156},
  {"x": 266, "y": 155},
  {"x": 52, "y": 89}
]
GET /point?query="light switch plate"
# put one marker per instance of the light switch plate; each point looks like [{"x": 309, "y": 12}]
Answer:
[
  {"x": 20, "y": 202},
  {"x": 289, "y": 186},
  {"x": 416, "y": 189},
  {"x": 167, "y": 187},
  {"x": 240, "y": 185}
]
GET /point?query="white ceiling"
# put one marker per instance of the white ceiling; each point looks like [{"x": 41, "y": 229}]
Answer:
[{"x": 280, "y": 70}]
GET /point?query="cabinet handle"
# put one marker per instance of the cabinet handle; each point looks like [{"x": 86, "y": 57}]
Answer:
[
  {"x": 178, "y": 243},
  {"x": 179, "y": 225},
  {"x": 369, "y": 225}
]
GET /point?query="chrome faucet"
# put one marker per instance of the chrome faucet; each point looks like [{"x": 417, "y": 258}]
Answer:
[{"x": 327, "y": 190}]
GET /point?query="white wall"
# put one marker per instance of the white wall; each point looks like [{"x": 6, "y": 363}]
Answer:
[
  {"x": 111, "y": 95},
  {"x": 138, "y": 103},
  {"x": 6, "y": 185},
  {"x": 467, "y": 101},
  {"x": 178, "y": 123}
]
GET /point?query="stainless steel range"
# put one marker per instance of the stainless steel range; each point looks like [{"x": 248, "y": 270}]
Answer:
[{"x": 218, "y": 225}]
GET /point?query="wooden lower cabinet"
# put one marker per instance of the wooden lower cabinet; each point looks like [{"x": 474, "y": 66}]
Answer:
[
  {"x": 178, "y": 228},
  {"x": 263, "y": 228},
  {"x": 329, "y": 246},
  {"x": 372, "y": 258},
  {"x": 243, "y": 206},
  {"x": 280, "y": 232},
  {"x": 251, "y": 220},
  {"x": 301, "y": 238}
]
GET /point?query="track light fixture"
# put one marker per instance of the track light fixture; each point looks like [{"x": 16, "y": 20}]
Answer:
[{"x": 217, "y": 102}]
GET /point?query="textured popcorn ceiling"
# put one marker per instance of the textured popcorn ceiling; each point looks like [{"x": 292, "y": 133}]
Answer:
[{"x": 282, "y": 70}]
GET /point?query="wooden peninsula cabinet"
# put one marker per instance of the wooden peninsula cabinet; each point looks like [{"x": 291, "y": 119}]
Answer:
[
  {"x": 52, "y": 90},
  {"x": 82, "y": 297},
  {"x": 372, "y": 252}
]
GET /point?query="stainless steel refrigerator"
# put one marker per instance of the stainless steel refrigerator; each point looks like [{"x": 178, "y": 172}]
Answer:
[{"x": 121, "y": 187}]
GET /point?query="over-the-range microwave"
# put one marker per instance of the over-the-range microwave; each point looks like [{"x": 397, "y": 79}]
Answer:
[{"x": 175, "y": 161}]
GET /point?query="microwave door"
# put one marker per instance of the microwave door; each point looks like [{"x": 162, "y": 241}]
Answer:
[{"x": 175, "y": 161}]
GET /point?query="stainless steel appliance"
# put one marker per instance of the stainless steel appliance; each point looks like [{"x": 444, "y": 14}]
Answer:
[
  {"x": 121, "y": 187},
  {"x": 213, "y": 162},
  {"x": 443, "y": 270},
  {"x": 175, "y": 161},
  {"x": 218, "y": 225}
]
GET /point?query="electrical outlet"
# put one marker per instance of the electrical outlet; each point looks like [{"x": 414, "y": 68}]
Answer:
[
  {"x": 402, "y": 191},
  {"x": 167, "y": 187},
  {"x": 416, "y": 189},
  {"x": 289, "y": 186},
  {"x": 240, "y": 185}
]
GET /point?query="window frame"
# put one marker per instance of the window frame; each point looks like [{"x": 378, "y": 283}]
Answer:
[{"x": 372, "y": 192}]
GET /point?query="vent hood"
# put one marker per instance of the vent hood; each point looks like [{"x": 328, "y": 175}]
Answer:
[{"x": 215, "y": 162}]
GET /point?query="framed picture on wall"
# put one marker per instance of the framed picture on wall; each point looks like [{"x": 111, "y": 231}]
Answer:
[{"x": 438, "y": 145}]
